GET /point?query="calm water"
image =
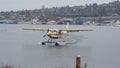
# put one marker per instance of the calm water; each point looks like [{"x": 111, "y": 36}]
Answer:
[{"x": 99, "y": 48}]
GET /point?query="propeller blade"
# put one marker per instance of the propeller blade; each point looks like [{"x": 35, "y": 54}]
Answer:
[
  {"x": 47, "y": 30},
  {"x": 46, "y": 33}
]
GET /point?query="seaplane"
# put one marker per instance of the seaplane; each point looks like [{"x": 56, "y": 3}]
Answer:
[{"x": 55, "y": 34}]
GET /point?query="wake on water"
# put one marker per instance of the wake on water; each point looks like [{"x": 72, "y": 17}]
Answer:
[{"x": 73, "y": 39}]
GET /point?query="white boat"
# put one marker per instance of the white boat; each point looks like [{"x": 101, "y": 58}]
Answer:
[{"x": 117, "y": 23}]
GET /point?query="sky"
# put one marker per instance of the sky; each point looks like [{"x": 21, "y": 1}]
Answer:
[{"x": 8, "y": 5}]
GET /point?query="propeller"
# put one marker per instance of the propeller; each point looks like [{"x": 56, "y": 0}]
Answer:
[{"x": 46, "y": 33}]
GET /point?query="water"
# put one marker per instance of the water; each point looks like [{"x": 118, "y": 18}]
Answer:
[{"x": 98, "y": 48}]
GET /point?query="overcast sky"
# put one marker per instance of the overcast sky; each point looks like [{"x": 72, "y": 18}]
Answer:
[{"x": 7, "y": 5}]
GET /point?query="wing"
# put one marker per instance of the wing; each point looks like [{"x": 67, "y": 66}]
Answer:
[
  {"x": 40, "y": 29},
  {"x": 77, "y": 29}
]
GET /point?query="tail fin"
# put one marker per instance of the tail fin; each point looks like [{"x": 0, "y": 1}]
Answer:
[{"x": 67, "y": 26}]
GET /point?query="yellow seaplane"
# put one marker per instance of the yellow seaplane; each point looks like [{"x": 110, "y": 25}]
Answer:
[{"x": 54, "y": 34}]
